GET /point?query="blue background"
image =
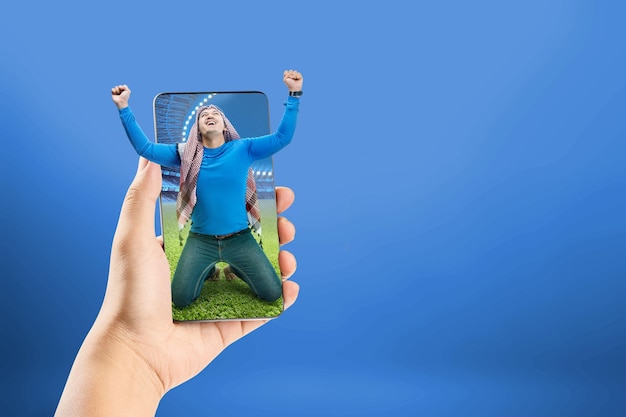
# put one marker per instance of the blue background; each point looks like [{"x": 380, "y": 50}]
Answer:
[{"x": 460, "y": 178}]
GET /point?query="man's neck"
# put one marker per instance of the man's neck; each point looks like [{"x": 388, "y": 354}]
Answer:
[{"x": 213, "y": 141}]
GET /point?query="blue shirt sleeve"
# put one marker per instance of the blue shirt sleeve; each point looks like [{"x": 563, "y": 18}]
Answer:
[
  {"x": 160, "y": 153},
  {"x": 264, "y": 146}
]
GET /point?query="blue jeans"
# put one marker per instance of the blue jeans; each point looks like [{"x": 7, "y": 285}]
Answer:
[{"x": 241, "y": 251}]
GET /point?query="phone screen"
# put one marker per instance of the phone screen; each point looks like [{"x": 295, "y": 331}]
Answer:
[{"x": 224, "y": 255}]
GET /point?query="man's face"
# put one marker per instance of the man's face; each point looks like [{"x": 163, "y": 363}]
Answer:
[{"x": 210, "y": 121}]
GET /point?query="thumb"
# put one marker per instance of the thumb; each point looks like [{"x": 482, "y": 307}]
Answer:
[{"x": 137, "y": 215}]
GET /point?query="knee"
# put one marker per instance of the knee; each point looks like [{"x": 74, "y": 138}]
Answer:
[
  {"x": 180, "y": 297},
  {"x": 272, "y": 293},
  {"x": 181, "y": 301}
]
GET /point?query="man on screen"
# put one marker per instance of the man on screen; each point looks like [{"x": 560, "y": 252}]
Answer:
[{"x": 215, "y": 193}]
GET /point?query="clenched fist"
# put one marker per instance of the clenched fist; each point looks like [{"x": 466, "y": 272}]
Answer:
[
  {"x": 293, "y": 80},
  {"x": 120, "y": 95}
]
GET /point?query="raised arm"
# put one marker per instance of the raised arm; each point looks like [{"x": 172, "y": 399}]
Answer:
[
  {"x": 160, "y": 153},
  {"x": 265, "y": 146}
]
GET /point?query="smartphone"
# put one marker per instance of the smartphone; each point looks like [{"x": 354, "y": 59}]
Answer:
[{"x": 222, "y": 267}]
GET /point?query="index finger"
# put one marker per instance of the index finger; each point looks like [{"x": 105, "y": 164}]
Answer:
[{"x": 284, "y": 198}]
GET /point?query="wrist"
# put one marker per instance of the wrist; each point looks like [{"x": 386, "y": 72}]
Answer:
[
  {"x": 100, "y": 382},
  {"x": 295, "y": 93},
  {"x": 122, "y": 105}
]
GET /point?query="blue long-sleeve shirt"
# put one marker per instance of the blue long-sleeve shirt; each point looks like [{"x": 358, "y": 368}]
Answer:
[{"x": 221, "y": 190}]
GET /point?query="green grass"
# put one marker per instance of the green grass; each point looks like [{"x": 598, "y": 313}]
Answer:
[{"x": 224, "y": 299}]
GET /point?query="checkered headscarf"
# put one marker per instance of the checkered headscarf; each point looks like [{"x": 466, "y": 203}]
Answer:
[{"x": 191, "y": 159}]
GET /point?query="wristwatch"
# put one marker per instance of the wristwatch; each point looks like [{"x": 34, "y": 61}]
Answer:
[{"x": 295, "y": 93}]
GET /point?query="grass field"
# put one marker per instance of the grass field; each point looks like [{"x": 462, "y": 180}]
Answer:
[{"x": 224, "y": 299}]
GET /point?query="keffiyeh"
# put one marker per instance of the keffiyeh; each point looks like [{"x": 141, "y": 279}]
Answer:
[{"x": 191, "y": 159}]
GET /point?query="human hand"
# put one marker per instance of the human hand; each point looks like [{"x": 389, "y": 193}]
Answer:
[
  {"x": 134, "y": 352},
  {"x": 120, "y": 95},
  {"x": 293, "y": 80}
]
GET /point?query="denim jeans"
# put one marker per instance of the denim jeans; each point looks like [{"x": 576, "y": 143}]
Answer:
[{"x": 241, "y": 251}]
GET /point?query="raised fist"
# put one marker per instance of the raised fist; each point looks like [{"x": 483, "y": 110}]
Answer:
[
  {"x": 293, "y": 80},
  {"x": 120, "y": 95}
]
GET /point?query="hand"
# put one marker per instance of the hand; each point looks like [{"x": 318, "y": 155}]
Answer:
[
  {"x": 120, "y": 95},
  {"x": 135, "y": 353},
  {"x": 293, "y": 80}
]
